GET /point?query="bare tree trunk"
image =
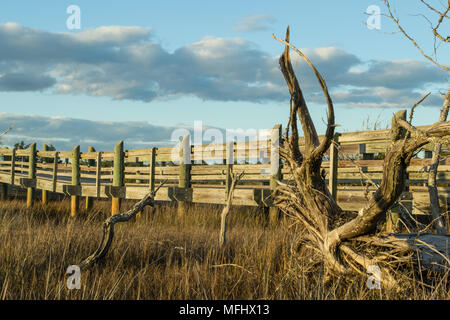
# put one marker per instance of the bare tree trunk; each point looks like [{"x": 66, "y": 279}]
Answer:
[
  {"x": 439, "y": 223},
  {"x": 226, "y": 210}
]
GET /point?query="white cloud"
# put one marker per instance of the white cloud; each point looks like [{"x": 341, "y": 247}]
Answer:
[
  {"x": 112, "y": 35},
  {"x": 256, "y": 22}
]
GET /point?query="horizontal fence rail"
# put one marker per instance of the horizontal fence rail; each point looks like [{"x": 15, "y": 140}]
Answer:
[{"x": 202, "y": 173}]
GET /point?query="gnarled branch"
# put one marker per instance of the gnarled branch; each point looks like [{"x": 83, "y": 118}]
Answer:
[{"x": 108, "y": 227}]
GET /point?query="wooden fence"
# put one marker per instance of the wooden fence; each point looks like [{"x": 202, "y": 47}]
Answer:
[{"x": 193, "y": 177}]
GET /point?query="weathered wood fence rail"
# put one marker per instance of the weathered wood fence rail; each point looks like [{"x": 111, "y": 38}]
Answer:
[{"x": 201, "y": 173}]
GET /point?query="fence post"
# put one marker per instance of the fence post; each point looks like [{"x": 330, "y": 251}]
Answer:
[
  {"x": 13, "y": 166},
  {"x": 55, "y": 171},
  {"x": 334, "y": 158},
  {"x": 44, "y": 192},
  {"x": 31, "y": 174},
  {"x": 74, "y": 199},
  {"x": 151, "y": 180},
  {"x": 185, "y": 170},
  {"x": 118, "y": 175},
  {"x": 3, "y": 191},
  {"x": 98, "y": 174},
  {"x": 229, "y": 162},
  {"x": 90, "y": 200},
  {"x": 4, "y": 187},
  {"x": 275, "y": 169},
  {"x": 151, "y": 177}
]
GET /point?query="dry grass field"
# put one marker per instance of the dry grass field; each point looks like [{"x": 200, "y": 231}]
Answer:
[{"x": 160, "y": 256}]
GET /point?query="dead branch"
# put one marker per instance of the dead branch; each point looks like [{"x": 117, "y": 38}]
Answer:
[
  {"x": 411, "y": 113},
  {"x": 6, "y": 131},
  {"x": 439, "y": 223},
  {"x": 108, "y": 227},
  {"x": 434, "y": 30},
  {"x": 323, "y": 147},
  {"x": 226, "y": 210}
]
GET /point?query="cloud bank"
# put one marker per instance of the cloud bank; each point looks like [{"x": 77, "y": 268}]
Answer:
[
  {"x": 124, "y": 62},
  {"x": 65, "y": 133}
]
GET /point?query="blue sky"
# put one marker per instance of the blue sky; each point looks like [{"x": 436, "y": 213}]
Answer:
[{"x": 155, "y": 63}]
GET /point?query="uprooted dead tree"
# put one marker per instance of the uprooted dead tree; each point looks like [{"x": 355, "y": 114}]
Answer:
[{"x": 345, "y": 244}]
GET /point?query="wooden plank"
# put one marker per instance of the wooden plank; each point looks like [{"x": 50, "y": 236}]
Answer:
[
  {"x": 88, "y": 168},
  {"x": 23, "y": 152},
  {"x": 421, "y": 202},
  {"x": 162, "y": 194},
  {"x": 424, "y": 175},
  {"x": 137, "y": 176},
  {"x": 246, "y": 177},
  {"x": 206, "y": 171},
  {"x": 108, "y": 155},
  {"x": 65, "y": 173},
  {"x": 90, "y": 155},
  {"x": 5, "y": 177},
  {"x": 208, "y": 195},
  {"x": 252, "y": 166},
  {"x": 23, "y": 164},
  {"x": 45, "y": 153},
  {"x": 142, "y": 170},
  {"x": 44, "y": 184},
  {"x": 88, "y": 175},
  {"x": 5, "y": 151},
  {"x": 65, "y": 154},
  {"x": 138, "y": 153}
]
